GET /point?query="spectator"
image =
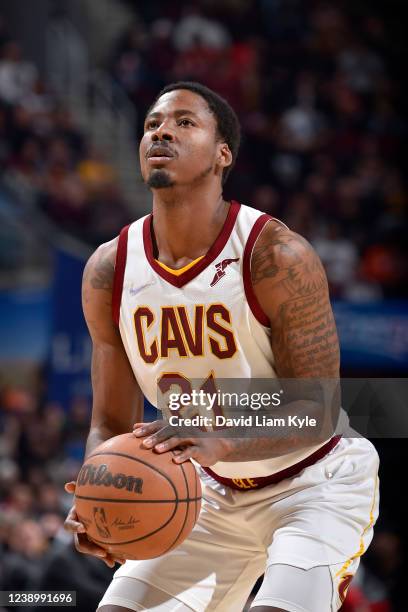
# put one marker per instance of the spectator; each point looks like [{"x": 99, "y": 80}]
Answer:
[
  {"x": 64, "y": 569},
  {"x": 339, "y": 257},
  {"x": 17, "y": 76},
  {"x": 27, "y": 546},
  {"x": 195, "y": 29}
]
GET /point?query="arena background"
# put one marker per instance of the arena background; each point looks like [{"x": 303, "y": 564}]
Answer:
[{"x": 319, "y": 89}]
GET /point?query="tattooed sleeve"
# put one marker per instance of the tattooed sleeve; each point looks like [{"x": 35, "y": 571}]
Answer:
[{"x": 291, "y": 286}]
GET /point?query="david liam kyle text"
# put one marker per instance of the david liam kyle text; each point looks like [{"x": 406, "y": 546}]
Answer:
[{"x": 252, "y": 420}]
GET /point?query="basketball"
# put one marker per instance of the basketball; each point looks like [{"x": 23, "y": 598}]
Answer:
[{"x": 136, "y": 503}]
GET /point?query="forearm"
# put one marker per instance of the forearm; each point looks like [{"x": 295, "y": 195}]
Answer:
[
  {"x": 296, "y": 426},
  {"x": 105, "y": 425},
  {"x": 257, "y": 449},
  {"x": 97, "y": 435}
]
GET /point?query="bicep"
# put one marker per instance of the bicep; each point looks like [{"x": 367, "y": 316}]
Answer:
[
  {"x": 291, "y": 286},
  {"x": 117, "y": 399},
  {"x": 304, "y": 337}
]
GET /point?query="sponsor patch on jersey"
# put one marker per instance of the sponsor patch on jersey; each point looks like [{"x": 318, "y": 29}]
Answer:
[{"x": 220, "y": 267}]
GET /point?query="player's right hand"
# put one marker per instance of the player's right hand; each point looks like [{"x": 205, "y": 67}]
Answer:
[{"x": 82, "y": 543}]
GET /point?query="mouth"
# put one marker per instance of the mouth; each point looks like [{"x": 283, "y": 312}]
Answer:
[
  {"x": 162, "y": 159},
  {"x": 160, "y": 154}
]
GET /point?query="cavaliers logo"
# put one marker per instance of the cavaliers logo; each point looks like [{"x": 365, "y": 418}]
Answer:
[{"x": 101, "y": 522}]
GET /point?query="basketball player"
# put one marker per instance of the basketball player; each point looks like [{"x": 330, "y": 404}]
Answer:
[{"x": 205, "y": 288}]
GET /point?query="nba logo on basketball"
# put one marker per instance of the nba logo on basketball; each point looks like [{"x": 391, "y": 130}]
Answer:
[{"x": 101, "y": 522}]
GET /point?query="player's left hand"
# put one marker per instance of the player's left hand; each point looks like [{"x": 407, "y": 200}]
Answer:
[{"x": 162, "y": 437}]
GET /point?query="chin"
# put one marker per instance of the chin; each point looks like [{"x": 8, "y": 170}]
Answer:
[{"x": 159, "y": 179}]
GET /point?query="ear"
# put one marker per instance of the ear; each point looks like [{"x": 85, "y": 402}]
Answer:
[{"x": 224, "y": 158}]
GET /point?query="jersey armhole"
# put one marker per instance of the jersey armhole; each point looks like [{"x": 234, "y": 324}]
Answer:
[
  {"x": 119, "y": 274},
  {"x": 252, "y": 300}
]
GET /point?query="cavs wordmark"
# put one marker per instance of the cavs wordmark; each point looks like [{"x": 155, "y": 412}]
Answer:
[{"x": 176, "y": 331}]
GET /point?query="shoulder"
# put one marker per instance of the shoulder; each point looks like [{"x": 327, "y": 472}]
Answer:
[
  {"x": 278, "y": 250},
  {"x": 100, "y": 267},
  {"x": 97, "y": 288}
]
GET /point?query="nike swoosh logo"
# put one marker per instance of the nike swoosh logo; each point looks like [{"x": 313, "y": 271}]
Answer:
[{"x": 133, "y": 291}]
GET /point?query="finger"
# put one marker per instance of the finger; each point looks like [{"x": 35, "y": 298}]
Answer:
[
  {"x": 136, "y": 425},
  {"x": 160, "y": 436},
  {"x": 84, "y": 545},
  {"x": 72, "y": 524},
  {"x": 109, "y": 561},
  {"x": 144, "y": 429},
  {"x": 119, "y": 560},
  {"x": 70, "y": 486},
  {"x": 169, "y": 444},
  {"x": 188, "y": 453}
]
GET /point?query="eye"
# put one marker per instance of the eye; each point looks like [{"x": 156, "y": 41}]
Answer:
[
  {"x": 152, "y": 124},
  {"x": 185, "y": 122}
]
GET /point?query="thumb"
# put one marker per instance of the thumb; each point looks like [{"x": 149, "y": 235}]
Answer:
[{"x": 70, "y": 486}]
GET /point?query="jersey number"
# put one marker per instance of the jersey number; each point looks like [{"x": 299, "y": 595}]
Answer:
[{"x": 169, "y": 380}]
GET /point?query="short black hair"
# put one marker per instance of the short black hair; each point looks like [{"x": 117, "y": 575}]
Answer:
[{"x": 228, "y": 127}]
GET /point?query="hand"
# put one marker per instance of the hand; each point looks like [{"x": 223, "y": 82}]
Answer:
[
  {"x": 162, "y": 437},
  {"x": 82, "y": 543}
]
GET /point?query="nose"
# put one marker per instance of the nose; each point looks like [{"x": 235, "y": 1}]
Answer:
[{"x": 162, "y": 132}]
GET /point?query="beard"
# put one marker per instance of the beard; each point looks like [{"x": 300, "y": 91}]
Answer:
[{"x": 159, "y": 179}]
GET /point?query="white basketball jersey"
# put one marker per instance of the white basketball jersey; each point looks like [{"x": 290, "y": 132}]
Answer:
[{"x": 199, "y": 323}]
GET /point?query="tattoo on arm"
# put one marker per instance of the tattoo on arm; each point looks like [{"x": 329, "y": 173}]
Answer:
[
  {"x": 98, "y": 275},
  {"x": 304, "y": 337},
  {"x": 102, "y": 274},
  {"x": 305, "y": 343},
  {"x": 291, "y": 286},
  {"x": 267, "y": 261}
]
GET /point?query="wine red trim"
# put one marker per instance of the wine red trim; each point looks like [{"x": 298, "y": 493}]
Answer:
[
  {"x": 214, "y": 251},
  {"x": 246, "y": 270},
  {"x": 119, "y": 274},
  {"x": 263, "y": 481}
]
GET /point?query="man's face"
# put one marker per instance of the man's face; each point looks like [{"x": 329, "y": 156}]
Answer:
[{"x": 180, "y": 144}]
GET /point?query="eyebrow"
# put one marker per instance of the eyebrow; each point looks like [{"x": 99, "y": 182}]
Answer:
[{"x": 177, "y": 113}]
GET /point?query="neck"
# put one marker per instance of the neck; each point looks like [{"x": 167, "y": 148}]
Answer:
[{"x": 186, "y": 223}]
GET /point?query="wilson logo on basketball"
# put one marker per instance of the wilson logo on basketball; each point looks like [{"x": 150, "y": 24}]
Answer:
[
  {"x": 220, "y": 267},
  {"x": 101, "y": 477}
]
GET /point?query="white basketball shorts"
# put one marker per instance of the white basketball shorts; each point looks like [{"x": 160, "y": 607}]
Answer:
[{"x": 320, "y": 520}]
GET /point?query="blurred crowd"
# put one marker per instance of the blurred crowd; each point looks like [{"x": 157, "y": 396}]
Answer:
[
  {"x": 48, "y": 159},
  {"x": 41, "y": 448}
]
